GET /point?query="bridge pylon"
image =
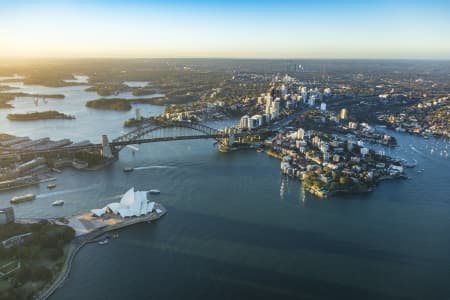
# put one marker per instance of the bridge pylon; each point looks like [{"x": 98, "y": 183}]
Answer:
[{"x": 106, "y": 147}]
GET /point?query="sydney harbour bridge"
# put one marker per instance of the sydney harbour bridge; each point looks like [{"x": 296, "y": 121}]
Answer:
[{"x": 151, "y": 132}]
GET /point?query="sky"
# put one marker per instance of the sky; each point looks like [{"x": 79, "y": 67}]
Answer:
[{"x": 227, "y": 29}]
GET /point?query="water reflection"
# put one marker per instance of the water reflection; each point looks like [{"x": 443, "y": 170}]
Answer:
[
  {"x": 283, "y": 187},
  {"x": 302, "y": 194}
]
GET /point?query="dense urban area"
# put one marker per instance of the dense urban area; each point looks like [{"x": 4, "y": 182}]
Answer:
[{"x": 320, "y": 118}]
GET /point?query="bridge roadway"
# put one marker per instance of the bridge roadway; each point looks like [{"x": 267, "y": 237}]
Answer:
[
  {"x": 112, "y": 144},
  {"x": 134, "y": 138}
]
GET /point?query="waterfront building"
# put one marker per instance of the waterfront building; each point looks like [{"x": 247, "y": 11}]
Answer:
[
  {"x": 30, "y": 164},
  {"x": 343, "y": 114},
  {"x": 6, "y": 215},
  {"x": 352, "y": 125},
  {"x": 13, "y": 141},
  {"x": 29, "y": 144},
  {"x": 244, "y": 123},
  {"x": 257, "y": 120},
  {"x": 132, "y": 204},
  {"x": 251, "y": 124}
]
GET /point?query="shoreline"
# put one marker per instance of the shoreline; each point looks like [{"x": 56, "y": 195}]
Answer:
[
  {"x": 323, "y": 194},
  {"x": 79, "y": 242}
]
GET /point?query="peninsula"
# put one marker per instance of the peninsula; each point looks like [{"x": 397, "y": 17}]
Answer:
[
  {"x": 123, "y": 104},
  {"x": 6, "y": 97}
]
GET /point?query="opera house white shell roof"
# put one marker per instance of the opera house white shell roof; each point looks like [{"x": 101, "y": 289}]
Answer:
[{"x": 132, "y": 204}]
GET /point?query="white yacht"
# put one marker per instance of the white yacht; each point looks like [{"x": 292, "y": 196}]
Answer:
[{"x": 58, "y": 203}]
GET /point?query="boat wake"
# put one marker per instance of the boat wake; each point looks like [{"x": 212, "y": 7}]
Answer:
[
  {"x": 114, "y": 197},
  {"x": 153, "y": 167},
  {"x": 64, "y": 192},
  {"x": 423, "y": 154}
]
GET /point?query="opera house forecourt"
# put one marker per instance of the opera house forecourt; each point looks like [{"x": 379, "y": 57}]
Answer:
[{"x": 133, "y": 207}]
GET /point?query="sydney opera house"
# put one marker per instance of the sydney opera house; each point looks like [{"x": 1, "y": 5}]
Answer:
[{"x": 133, "y": 204}]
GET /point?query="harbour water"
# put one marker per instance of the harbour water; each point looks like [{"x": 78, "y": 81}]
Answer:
[{"x": 237, "y": 229}]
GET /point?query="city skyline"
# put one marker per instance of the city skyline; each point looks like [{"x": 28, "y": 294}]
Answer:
[{"x": 235, "y": 29}]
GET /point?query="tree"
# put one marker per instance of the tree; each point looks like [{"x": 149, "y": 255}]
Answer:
[{"x": 343, "y": 180}]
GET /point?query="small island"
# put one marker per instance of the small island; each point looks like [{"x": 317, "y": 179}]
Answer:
[
  {"x": 117, "y": 104},
  {"x": 42, "y": 115}
]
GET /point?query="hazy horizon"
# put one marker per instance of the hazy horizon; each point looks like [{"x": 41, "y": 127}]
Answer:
[{"x": 236, "y": 29}]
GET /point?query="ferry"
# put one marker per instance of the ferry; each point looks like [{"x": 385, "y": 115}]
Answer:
[
  {"x": 58, "y": 203},
  {"x": 51, "y": 186},
  {"x": 128, "y": 169},
  {"x": 154, "y": 192},
  {"x": 23, "y": 198}
]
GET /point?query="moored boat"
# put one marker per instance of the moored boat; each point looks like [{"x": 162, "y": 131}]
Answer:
[
  {"x": 51, "y": 186},
  {"x": 154, "y": 192}
]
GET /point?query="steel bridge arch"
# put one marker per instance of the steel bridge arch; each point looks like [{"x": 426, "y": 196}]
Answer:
[{"x": 138, "y": 133}]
